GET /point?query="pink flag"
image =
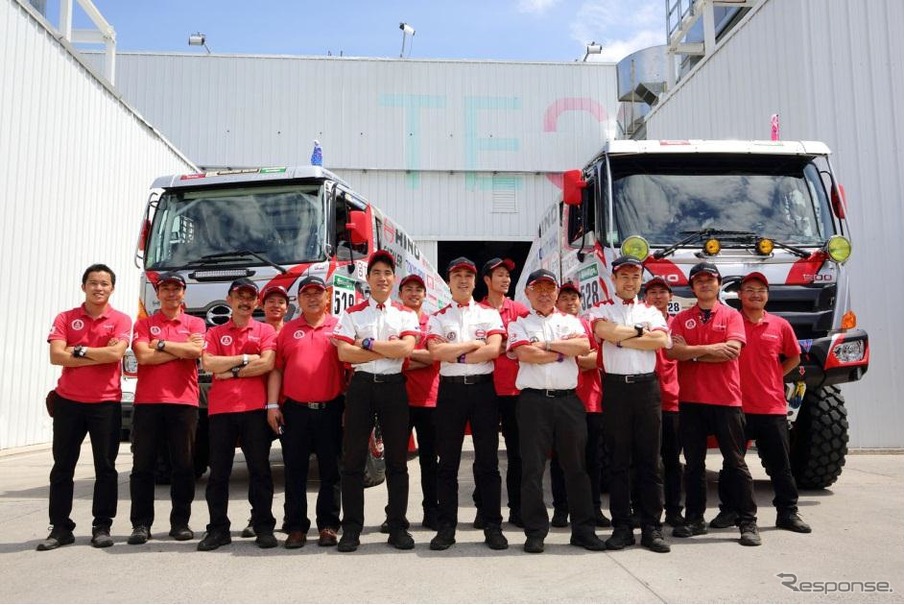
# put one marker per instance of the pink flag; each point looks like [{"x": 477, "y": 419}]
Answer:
[{"x": 775, "y": 136}]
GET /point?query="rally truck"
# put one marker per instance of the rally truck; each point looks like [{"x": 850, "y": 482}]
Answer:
[
  {"x": 770, "y": 206},
  {"x": 274, "y": 226}
]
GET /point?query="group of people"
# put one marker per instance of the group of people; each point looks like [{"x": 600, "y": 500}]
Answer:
[{"x": 557, "y": 383}]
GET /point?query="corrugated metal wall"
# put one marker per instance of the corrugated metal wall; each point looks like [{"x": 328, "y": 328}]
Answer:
[
  {"x": 832, "y": 70},
  {"x": 75, "y": 165}
]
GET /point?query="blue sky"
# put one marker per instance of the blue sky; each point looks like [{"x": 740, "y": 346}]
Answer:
[{"x": 518, "y": 30}]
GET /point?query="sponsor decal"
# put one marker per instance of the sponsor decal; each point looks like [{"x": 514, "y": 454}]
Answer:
[
  {"x": 155, "y": 330},
  {"x": 77, "y": 324},
  {"x": 298, "y": 335},
  {"x": 388, "y": 230},
  {"x": 806, "y": 345},
  {"x": 588, "y": 272},
  {"x": 690, "y": 324},
  {"x": 225, "y": 340}
]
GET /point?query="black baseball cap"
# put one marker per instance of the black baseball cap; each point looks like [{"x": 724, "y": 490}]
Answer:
[
  {"x": 170, "y": 277},
  {"x": 490, "y": 265},
  {"x": 461, "y": 263},
  {"x": 657, "y": 281},
  {"x": 626, "y": 261},
  {"x": 311, "y": 281},
  {"x": 542, "y": 275},
  {"x": 703, "y": 267},
  {"x": 243, "y": 283},
  {"x": 381, "y": 256}
]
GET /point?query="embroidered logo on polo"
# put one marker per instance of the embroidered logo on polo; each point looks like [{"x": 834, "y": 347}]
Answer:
[
  {"x": 77, "y": 324},
  {"x": 225, "y": 340},
  {"x": 298, "y": 334},
  {"x": 480, "y": 334},
  {"x": 155, "y": 330},
  {"x": 690, "y": 324}
]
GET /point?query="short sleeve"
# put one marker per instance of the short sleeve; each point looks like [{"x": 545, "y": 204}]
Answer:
[
  {"x": 123, "y": 327},
  {"x": 141, "y": 332},
  {"x": 517, "y": 335},
  {"x": 345, "y": 328},
  {"x": 59, "y": 329}
]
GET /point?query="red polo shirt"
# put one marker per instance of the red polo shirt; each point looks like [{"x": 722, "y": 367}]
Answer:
[
  {"x": 590, "y": 389},
  {"x": 239, "y": 394},
  {"x": 762, "y": 381},
  {"x": 505, "y": 369},
  {"x": 667, "y": 370},
  {"x": 309, "y": 362},
  {"x": 423, "y": 383},
  {"x": 712, "y": 383},
  {"x": 97, "y": 383},
  {"x": 175, "y": 381}
]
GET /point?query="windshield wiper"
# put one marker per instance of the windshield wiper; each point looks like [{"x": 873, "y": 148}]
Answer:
[
  {"x": 701, "y": 234},
  {"x": 237, "y": 255}
]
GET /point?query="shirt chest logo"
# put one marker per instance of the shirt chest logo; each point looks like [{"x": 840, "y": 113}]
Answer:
[
  {"x": 690, "y": 324},
  {"x": 155, "y": 330},
  {"x": 480, "y": 333},
  {"x": 225, "y": 340},
  {"x": 298, "y": 334},
  {"x": 77, "y": 324},
  {"x": 451, "y": 336}
]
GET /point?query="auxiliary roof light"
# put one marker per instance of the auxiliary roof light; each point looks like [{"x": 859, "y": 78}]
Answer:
[{"x": 712, "y": 246}]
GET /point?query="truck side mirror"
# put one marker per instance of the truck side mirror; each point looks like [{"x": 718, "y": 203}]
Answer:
[
  {"x": 143, "y": 236},
  {"x": 358, "y": 227},
  {"x": 839, "y": 201},
  {"x": 573, "y": 186}
]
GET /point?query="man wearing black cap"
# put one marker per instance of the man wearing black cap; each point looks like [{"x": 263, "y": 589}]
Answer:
[
  {"x": 497, "y": 277},
  {"x": 708, "y": 340},
  {"x": 166, "y": 345},
  {"x": 376, "y": 336},
  {"x": 466, "y": 337},
  {"x": 304, "y": 398},
  {"x": 631, "y": 332},
  {"x": 772, "y": 350},
  {"x": 547, "y": 343},
  {"x": 239, "y": 354}
]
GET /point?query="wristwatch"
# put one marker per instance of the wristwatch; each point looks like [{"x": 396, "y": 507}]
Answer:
[
  {"x": 161, "y": 344},
  {"x": 79, "y": 351},
  {"x": 244, "y": 359},
  {"x": 639, "y": 329},
  {"x": 367, "y": 344},
  {"x": 235, "y": 371}
]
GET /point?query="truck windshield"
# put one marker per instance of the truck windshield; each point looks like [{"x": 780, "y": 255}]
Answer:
[
  {"x": 665, "y": 197},
  {"x": 284, "y": 224}
]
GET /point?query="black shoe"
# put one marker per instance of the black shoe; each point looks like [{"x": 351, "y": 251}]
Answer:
[
  {"x": 212, "y": 540},
  {"x": 696, "y": 527},
  {"x": 401, "y": 539},
  {"x": 494, "y": 538},
  {"x": 100, "y": 537},
  {"x": 600, "y": 519},
  {"x": 384, "y": 527},
  {"x": 57, "y": 538},
  {"x": 750, "y": 535},
  {"x": 651, "y": 538},
  {"x": 635, "y": 521},
  {"x": 140, "y": 535},
  {"x": 349, "y": 542},
  {"x": 533, "y": 545},
  {"x": 792, "y": 522},
  {"x": 266, "y": 540},
  {"x": 479, "y": 521},
  {"x": 590, "y": 541},
  {"x": 675, "y": 519},
  {"x": 515, "y": 519},
  {"x": 444, "y": 538},
  {"x": 559, "y": 518},
  {"x": 248, "y": 532},
  {"x": 621, "y": 537},
  {"x": 181, "y": 533},
  {"x": 431, "y": 520},
  {"x": 725, "y": 518}
]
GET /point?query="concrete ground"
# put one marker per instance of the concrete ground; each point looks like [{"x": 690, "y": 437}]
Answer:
[{"x": 856, "y": 544}]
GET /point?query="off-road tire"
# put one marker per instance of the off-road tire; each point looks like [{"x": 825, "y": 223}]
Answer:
[{"x": 819, "y": 439}]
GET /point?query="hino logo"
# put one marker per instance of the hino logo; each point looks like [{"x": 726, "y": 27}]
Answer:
[{"x": 217, "y": 315}]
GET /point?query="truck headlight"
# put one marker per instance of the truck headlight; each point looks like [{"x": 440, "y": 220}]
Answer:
[
  {"x": 838, "y": 248},
  {"x": 130, "y": 363},
  {"x": 635, "y": 246},
  {"x": 849, "y": 352}
]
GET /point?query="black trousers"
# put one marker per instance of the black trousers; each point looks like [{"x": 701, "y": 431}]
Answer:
[
  {"x": 770, "y": 432},
  {"x": 633, "y": 432},
  {"x": 510, "y": 432},
  {"x": 388, "y": 402},
  {"x": 251, "y": 431},
  {"x": 593, "y": 460},
  {"x": 73, "y": 420},
  {"x": 456, "y": 405},
  {"x": 423, "y": 420},
  {"x": 558, "y": 423},
  {"x": 671, "y": 462},
  {"x": 318, "y": 431},
  {"x": 726, "y": 423},
  {"x": 173, "y": 426}
]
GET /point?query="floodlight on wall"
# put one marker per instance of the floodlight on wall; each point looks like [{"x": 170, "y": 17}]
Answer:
[
  {"x": 592, "y": 49},
  {"x": 198, "y": 39},
  {"x": 407, "y": 30}
]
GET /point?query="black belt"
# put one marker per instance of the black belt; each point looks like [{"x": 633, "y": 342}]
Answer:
[
  {"x": 379, "y": 377},
  {"x": 311, "y": 405},
  {"x": 472, "y": 379},
  {"x": 550, "y": 392},
  {"x": 631, "y": 378}
]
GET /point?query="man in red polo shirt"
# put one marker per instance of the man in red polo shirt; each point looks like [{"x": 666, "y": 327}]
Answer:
[
  {"x": 771, "y": 352},
  {"x": 308, "y": 372},
  {"x": 658, "y": 293},
  {"x": 167, "y": 346},
  {"x": 239, "y": 354},
  {"x": 88, "y": 342},
  {"x": 708, "y": 340},
  {"x": 590, "y": 393},
  {"x": 498, "y": 279}
]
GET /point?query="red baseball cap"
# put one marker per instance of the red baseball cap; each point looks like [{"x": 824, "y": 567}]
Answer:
[
  {"x": 657, "y": 281},
  {"x": 570, "y": 286},
  {"x": 275, "y": 290},
  {"x": 412, "y": 277},
  {"x": 755, "y": 276},
  {"x": 490, "y": 265},
  {"x": 461, "y": 263},
  {"x": 381, "y": 256}
]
